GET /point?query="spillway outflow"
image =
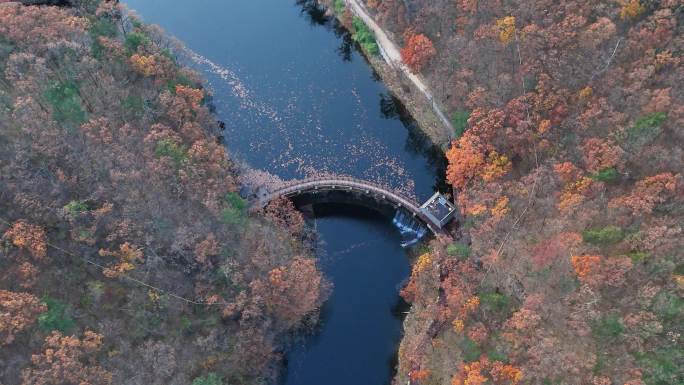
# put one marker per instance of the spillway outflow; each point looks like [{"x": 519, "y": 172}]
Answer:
[{"x": 411, "y": 230}]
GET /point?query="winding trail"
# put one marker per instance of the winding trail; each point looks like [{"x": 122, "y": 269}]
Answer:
[{"x": 392, "y": 55}]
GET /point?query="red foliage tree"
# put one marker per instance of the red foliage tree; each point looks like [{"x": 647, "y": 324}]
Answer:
[
  {"x": 649, "y": 192},
  {"x": 600, "y": 154},
  {"x": 282, "y": 213},
  {"x": 417, "y": 52},
  {"x": 566, "y": 171},
  {"x": 548, "y": 251},
  {"x": 207, "y": 249},
  {"x": 292, "y": 291},
  {"x": 38, "y": 27}
]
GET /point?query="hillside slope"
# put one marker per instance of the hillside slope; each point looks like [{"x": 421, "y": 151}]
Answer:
[
  {"x": 568, "y": 265},
  {"x": 126, "y": 255}
]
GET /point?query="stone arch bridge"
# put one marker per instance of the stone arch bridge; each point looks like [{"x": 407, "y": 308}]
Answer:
[{"x": 434, "y": 213}]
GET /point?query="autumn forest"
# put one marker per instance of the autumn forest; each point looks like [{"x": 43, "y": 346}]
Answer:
[
  {"x": 111, "y": 176},
  {"x": 130, "y": 255}
]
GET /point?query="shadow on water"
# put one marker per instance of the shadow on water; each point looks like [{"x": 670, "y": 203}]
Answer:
[
  {"x": 400, "y": 310},
  {"x": 417, "y": 142},
  {"x": 317, "y": 16},
  {"x": 313, "y": 12},
  {"x": 346, "y": 48},
  {"x": 417, "y": 145},
  {"x": 360, "y": 324},
  {"x": 295, "y": 95}
]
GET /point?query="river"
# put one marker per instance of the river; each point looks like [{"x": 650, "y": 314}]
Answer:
[{"x": 299, "y": 99}]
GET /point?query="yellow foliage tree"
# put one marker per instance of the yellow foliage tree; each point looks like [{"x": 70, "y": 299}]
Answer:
[
  {"x": 458, "y": 325},
  {"x": 501, "y": 208},
  {"x": 144, "y": 64},
  {"x": 631, "y": 9},
  {"x": 574, "y": 194},
  {"x": 497, "y": 166},
  {"x": 544, "y": 126},
  {"x": 422, "y": 263},
  {"x": 586, "y": 92},
  {"x": 126, "y": 256},
  {"x": 506, "y": 27}
]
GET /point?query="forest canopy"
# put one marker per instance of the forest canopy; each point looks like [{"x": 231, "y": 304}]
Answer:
[
  {"x": 126, "y": 253},
  {"x": 566, "y": 165}
]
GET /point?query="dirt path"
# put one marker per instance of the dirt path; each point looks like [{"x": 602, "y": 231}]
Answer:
[{"x": 390, "y": 52}]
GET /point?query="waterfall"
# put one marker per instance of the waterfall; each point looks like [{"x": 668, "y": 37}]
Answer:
[{"x": 411, "y": 230}]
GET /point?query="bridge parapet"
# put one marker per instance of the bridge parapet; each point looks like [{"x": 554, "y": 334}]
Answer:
[{"x": 341, "y": 183}]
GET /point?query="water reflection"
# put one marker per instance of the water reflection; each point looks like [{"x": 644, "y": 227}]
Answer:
[
  {"x": 346, "y": 47},
  {"x": 313, "y": 12},
  {"x": 297, "y": 97},
  {"x": 388, "y": 106},
  {"x": 361, "y": 322}
]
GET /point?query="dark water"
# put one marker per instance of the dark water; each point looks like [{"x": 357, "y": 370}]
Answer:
[
  {"x": 361, "y": 326},
  {"x": 297, "y": 99}
]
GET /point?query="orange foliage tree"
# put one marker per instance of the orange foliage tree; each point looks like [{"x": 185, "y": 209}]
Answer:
[
  {"x": 68, "y": 361},
  {"x": 485, "y": 371},
  {"x": 27, "y": 274},
  {"x": 419, "y": 375},
  {"x": 587, "y": 268},
  {"x": 474, "y": 155},
  {"x": 418, "y": 51},
  {"x": 17, "y": 312},
  {"x": 206, "y": 249},
  {"x": 193, "y": 96},
  {"x": 38, "y": 27},
  {"x": 597, "y": 271},
  {"x": 29, "y": 237},
  {"x": 566, "y": 171},
  {"x": 466, "y": 160}
]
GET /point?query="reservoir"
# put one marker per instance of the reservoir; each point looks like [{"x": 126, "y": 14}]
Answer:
[{"x": 298, "y": 99}]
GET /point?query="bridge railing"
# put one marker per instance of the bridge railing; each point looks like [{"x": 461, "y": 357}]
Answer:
[
  {"x": 345, "y": 181},
  {"x": 332, "y": 180}
]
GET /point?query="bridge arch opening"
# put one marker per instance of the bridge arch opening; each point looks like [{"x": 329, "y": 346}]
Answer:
[{"x": 411, "y": 229}]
